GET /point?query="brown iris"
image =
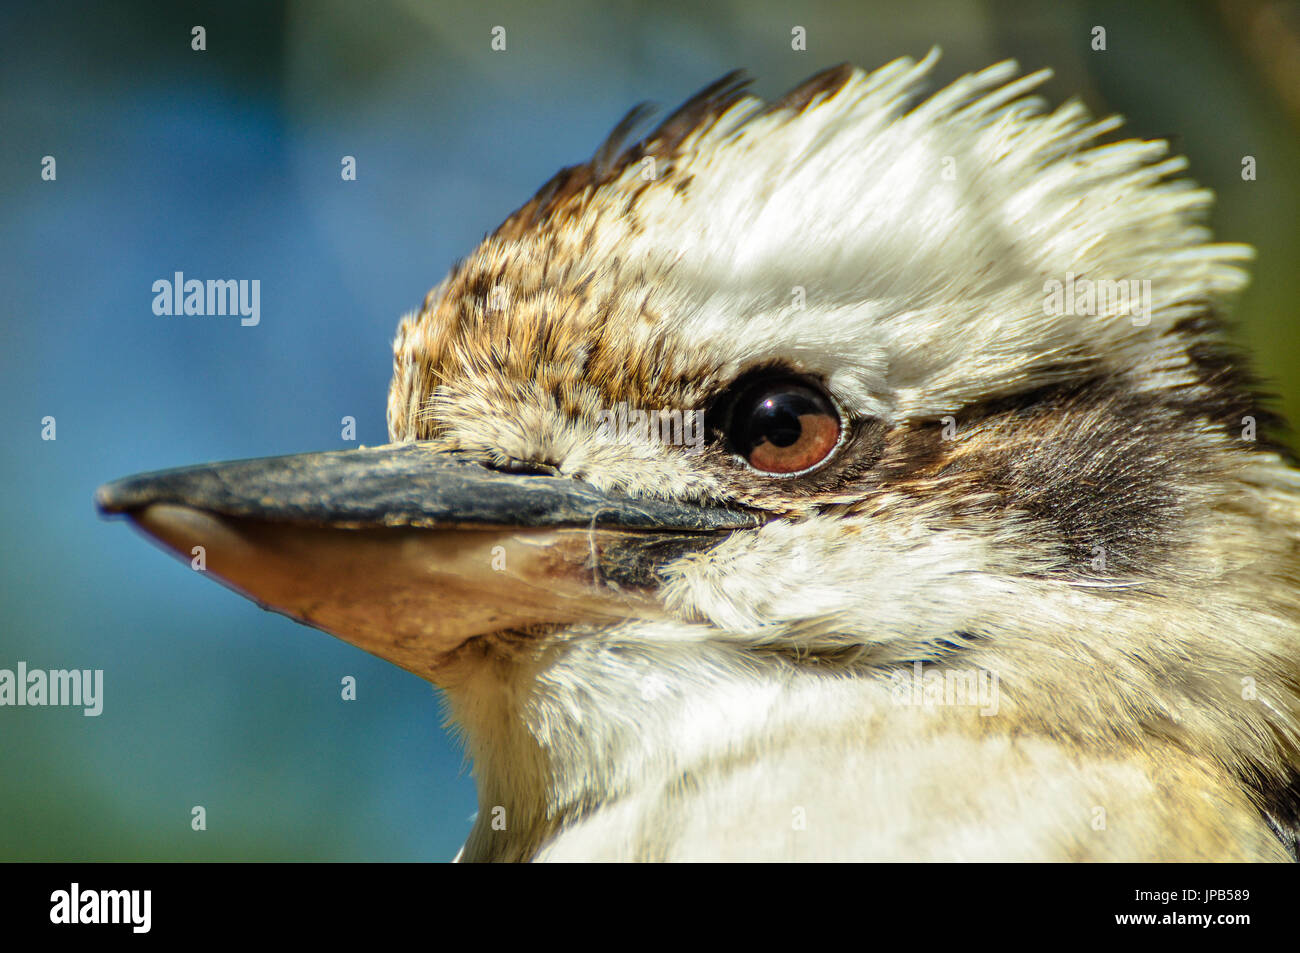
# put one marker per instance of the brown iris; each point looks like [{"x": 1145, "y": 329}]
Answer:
[{"x": 783, "y": 426}]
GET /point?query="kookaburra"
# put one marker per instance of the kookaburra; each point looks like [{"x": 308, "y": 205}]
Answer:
[{"x": 982, "y": 551}]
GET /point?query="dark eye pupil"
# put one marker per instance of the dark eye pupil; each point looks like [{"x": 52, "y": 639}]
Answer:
[{"x": 776, "y": 419}]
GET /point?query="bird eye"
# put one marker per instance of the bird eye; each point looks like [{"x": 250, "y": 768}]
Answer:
[{"x": 785, "y": 426}]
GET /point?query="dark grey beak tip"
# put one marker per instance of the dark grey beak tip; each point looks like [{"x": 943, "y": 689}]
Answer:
[{"x": 115, "y": 499}]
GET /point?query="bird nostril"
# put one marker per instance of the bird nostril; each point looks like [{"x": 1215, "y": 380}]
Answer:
[{"x": 525, "y": 467}]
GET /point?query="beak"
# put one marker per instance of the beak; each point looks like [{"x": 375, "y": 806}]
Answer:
[{"x": 408, "y": 552}]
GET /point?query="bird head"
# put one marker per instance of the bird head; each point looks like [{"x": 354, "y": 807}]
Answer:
[{"x": 733, "y": 424}]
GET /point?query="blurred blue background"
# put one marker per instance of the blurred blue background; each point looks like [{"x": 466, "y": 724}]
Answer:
[{"x": 226, "y": 163}]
